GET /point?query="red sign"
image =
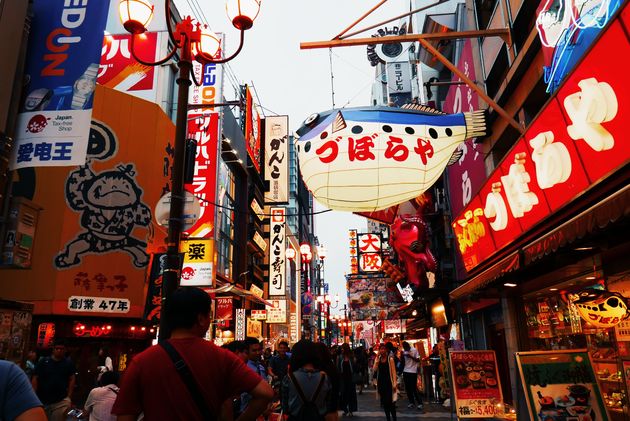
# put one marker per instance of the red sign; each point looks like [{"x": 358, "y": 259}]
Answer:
[
  {"x": 575, "y": 142},
  {"x": 467, "y": 175},
  {"x": 224, "y": 309},
  {"x": 119, "y": 70},
  {"x": 252, "y": 129},
  {"x": 45, "y": 335},
  {"x": 204, "y": 128},
  {"x": 476, "y": 382}
]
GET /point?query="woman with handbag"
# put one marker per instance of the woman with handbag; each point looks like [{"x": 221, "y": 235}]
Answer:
[
  {"x": 385, "y": 374},
  {"x": 347, "y": 368}
]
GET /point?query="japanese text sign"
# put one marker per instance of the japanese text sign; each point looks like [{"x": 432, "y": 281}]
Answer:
[
  {"x": 259, "y": 314},
  {"x": 277, "y": 249},
  {"x": 63, "y": 54},
  {"x": 224, "y": 309},
  {"x": 354, "y": 258},
  {"x": 467, "y": 175},
  {"x": 198, "y": 267},
  {"x": 369, "y": 252},
  {"x": 204, "y": 128},
  {"x": 119, "y": 70},
  {"x": 277, "y": 159},
  {"x": 477, "y": 384},
  {"x": 559, "y": 384},
  {"x": 98, "y": 304},
  {"x": 254, "y": 328},
  {"x": 239, "y": 335},
  {"x": 277, "y": 312},
  {"x": 576, "y": 141},
  {"x": 252, "y": 129}
]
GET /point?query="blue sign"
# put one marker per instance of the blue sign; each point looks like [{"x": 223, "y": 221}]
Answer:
[{"x": 64, "y": 52}]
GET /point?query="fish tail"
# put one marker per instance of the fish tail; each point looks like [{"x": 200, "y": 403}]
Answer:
[{"x": 475, "y": 123}]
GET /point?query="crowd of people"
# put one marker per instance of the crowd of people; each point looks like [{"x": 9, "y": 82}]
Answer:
[{"x": 189, "y": 378}]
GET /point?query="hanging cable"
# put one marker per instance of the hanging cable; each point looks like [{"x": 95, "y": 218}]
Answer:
[
  {"x": 261, "y": 214},
  {"x": 332, "y": 78}
]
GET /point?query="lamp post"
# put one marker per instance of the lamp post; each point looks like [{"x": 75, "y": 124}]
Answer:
[
  {"x": 325, "y": 302},
  {"x": 193, "y": 42},
  {"x": 305, "y": 258}
]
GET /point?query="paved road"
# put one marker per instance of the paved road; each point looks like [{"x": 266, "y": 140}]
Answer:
[{"x": 370, "y": 409}]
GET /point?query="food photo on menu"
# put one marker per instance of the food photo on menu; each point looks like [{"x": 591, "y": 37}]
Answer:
[{"x": 566, "y": 402}]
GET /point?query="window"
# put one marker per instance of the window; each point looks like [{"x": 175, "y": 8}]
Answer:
[{"x": 225, "y": 221}]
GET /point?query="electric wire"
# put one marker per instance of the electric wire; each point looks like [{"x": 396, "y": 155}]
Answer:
[{"x": 246, "y": 211}]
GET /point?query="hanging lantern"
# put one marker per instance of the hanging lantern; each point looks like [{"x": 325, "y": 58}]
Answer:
[
  {"x": 290, "y": 253},
  {"x": 242, "y": 13},
  {"x": 135, "y": 15},
  {"x": 601, "y": 308},
  {"x": 370, "y": 158}
]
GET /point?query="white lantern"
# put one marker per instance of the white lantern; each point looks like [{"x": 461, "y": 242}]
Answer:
[
  {"x": 322, "y": 252},
  {"x": 208, "y": 47},
  {"x": 305, "y": 249},
  {"x": 135, "y": 15},
  {"x": 242, "y": 13},
  {"x": 371, "y": 158},
  {"x": 290, "y": 253}
]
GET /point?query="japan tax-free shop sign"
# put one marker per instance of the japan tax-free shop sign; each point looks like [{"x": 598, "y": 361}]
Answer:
[
  {"x": 64, "y": 52},
  {"x": 560, "y": 385}
]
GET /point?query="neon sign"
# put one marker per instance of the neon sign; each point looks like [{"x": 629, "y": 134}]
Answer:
[{"x": 566, "y": 29}]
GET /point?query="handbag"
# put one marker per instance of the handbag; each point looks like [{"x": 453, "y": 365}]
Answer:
[{"x": 188, "y": 379}]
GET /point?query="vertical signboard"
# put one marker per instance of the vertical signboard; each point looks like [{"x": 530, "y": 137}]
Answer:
[
  {"x": 252, "y": 129},
  {"x": 64, "y": 51},
  {"x": 211, "y": 78},
  {"x": 354, "y": 259},
  {"x": 277, "y": 159},
  {"x": 399, "y": 83},
  {"x": 240, "y": 324},
  {"x": 277, "y": 312},
  {"x": 277, "y": 269},
  {"x": 204, "y": 128},
  {"x": 466, "y": 176},
  {"x": 369, "y": 252},
  {"x": 224, "y": 309},
  {"x": 198, "y": 267}
]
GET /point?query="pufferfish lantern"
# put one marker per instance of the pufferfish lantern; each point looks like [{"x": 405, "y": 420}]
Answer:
[
  {"x": 370, "y": 158},
  {"x": 601, "y": 308}
]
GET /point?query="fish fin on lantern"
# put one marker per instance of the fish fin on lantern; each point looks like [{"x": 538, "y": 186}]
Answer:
[
  {"x": 475, "y": 123},
  {"x": 339, "y": 123},
  {"x": 422, "y": 108},
  {"x": 455, "y": 157}
]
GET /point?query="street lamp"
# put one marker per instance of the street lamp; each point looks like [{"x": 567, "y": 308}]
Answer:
[{"x": 193, "y": 43}]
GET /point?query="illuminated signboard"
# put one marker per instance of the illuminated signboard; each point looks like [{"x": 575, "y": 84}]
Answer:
[
  {"x": 354, "y": 262},
  {"x": 577, "y": 140},
  {"x": 369, "y": 246}
]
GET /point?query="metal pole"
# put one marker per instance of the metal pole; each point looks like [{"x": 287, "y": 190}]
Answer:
[{"x": 170, "y": 279}]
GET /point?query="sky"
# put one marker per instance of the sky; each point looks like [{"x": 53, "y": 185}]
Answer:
[{"x": 297, "y": 83}]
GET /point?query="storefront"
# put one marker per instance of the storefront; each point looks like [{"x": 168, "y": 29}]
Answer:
[{"x": 545, "y": 241}]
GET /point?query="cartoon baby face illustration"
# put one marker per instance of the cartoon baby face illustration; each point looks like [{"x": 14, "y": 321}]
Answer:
[{"x": 112, "y": 190}]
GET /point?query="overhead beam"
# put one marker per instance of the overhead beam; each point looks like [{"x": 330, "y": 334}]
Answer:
[
  {"x": 360, "y": 19},
  {"x": 504, "y": 34}
]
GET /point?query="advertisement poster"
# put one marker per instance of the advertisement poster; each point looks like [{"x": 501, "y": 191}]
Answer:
[
  {"x": 198, "y": 267},
  {"x": 119, "y": 70},
  {"x": 254, "y": 328},
  {"x": 64, "y": 52},
  {"x": 252, "y": 129},
  {"x": 277, "y": 313},
  {"x": 477, "y": 383},
  {"x": 372, "y": 296},
  {"x": 224, "y": 308},
  {"x": 561, "y": 384}
]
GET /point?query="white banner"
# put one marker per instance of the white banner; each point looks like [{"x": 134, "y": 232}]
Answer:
[
  {"x": 51, "y": 139},
  {"x": 277, "y": 248},
  {"x": 277, "y": 313},
  {"x": 98, "y": 304},
  {"x": 277, "y": 159},
  {"x": 398, "y": 77}
]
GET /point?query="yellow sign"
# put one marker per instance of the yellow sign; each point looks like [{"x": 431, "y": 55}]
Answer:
[
  {"x": 198, "y": 267},
  {"x": 254, "y": 328},
  {"x": 256, "y": 291}
]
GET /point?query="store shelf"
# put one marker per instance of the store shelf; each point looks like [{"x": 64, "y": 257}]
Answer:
[
  {"x": 596, "y": 360},
  {"x": 610, "y": 381}
]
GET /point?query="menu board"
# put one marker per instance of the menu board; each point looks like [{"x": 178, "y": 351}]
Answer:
[
  {"x": 476, "y": 383},
  {"x": 561, "y": 385}
]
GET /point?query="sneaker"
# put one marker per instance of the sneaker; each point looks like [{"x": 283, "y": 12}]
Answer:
[
  {"x": 420, "y": 407},
  {"x": 410, "y": 406}
]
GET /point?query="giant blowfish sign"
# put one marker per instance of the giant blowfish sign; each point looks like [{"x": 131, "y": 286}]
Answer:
[{"x": 371, "y": 158}]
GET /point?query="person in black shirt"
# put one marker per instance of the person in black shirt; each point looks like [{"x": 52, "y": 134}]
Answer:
[
  {"x": 279, "y": 364},
  {"x": 53, "y": 381}
]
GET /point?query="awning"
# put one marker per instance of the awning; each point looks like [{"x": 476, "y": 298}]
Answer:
[
  {"x": 227, "y": 288},
  {"x": 597, "y": 217},
  {"x": 508, "y": 264}
]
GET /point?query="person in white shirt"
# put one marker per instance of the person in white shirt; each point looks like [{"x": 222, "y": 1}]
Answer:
[
  {"x": 101, "y": 399},
  {"x": 410, "y": 375}
]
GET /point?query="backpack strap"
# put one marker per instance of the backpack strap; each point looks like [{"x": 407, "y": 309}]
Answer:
[
  {"x": 300, "y": 392},
  {"x": 188, "y": 379}
]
